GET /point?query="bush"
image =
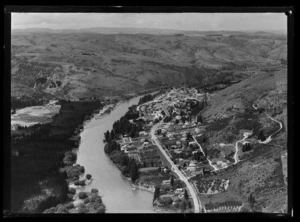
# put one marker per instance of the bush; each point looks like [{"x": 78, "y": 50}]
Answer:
[
  {"x": 82, "y": 210},
  {"x": 72, "y": 190},
  {"x": 79, "y": 183},
  {"x": 70, "y": 196},
  {"x": 94, "y": 190},
  {"x": 88, "y": 176},
  {"x": 100, "y": 209},
  {"x": 70, "y": 205},
  {"x": 166, "y": 201},
  {"x": 82, "y": 195}
]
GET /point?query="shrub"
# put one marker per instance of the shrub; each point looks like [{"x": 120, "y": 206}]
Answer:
[
  {"x": 82, "y": 195},
  {"x": 72, "y": 190},
  {"x": 88, "y": 176},
  {"x": 94, "y": 190}
]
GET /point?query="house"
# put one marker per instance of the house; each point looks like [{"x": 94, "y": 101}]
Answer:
[
  {"x": 123, "y": 147},
  {"x": 166, "y": 182},
  {"x": 206, "y": 171},
  {"x": 131, "y": 149},
  {"x": 145, "y": 144},
  {"x": 142, "y": 133},
  {"x": 249, "y": 132},
  {"x": 178, "y": 190}
]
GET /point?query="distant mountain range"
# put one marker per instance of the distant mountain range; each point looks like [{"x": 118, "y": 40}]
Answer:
[{"x": 129, "y": 30}]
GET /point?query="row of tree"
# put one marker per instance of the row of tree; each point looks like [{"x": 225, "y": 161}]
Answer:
[
  {"x": 246, "y": 147},
  {"x": 25, "y": 102},
  {"x": 129, "y": 166},
  {"x": 146, "y": 98}
]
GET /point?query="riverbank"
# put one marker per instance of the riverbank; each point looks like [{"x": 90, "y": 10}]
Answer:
[
  {"x": 77, "y": 201},
  {"x": 35, "y": 182}
]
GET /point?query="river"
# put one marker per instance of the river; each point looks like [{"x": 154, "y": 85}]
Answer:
[{"x": 116, "y": 191}]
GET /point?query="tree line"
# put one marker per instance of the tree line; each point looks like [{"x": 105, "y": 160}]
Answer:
[{"x": 146, "y": 98}]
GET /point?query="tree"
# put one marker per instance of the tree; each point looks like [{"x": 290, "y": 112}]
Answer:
[
  {"x": 107, "y": 136},
  {"x": 261, "y": 136},
  {"x": 156, "y": 193},
  {"x": 182, "y": 205},
  {"x": 172, "y": 180},
  {"x": 190, "y": 204},
  {"x": 134, "y": 173},
  {"x": 246, "y": 147},
  {"x": 251, "y": 200},
  {"x": 159, "y": 169},
  {"x": 199, "y": 118},
  {"x": 112, "y": 134},
  {"x": 197, "y": 156},
  {"x": 186, "y": 196}
]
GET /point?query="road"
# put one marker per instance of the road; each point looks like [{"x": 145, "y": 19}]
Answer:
[
  {"x": 193, "y": 193},
  {"x": 213, "y": 166},
  {"x": 237, "y": 148},
  {"x": 269, "y": 139}
]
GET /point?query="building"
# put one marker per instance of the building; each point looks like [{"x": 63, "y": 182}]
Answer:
[{"x": 131, "y": 149}]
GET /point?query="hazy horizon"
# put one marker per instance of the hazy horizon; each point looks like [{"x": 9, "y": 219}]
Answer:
[{"x": 160, "y": 21}]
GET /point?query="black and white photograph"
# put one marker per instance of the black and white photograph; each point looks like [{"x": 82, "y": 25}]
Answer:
[{"x": 147, "y": 112}]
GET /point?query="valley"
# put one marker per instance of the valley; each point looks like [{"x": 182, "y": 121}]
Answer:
[
  {"x": 80, "y": 65},
  {"x": 209, "y": 136}
]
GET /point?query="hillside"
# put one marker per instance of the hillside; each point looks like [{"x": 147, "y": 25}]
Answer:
[
  {"x": 261, "y": 172},
  {"x": 73, "y": 65}
]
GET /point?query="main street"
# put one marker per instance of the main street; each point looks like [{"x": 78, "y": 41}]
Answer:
[{"x": 193, "y": 193}]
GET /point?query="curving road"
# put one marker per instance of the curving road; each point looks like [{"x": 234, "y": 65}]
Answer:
[
  {"x": 193, "y": 193},
  {"x": 237, "y": 148},
  {"x": 269, "y": 139}
]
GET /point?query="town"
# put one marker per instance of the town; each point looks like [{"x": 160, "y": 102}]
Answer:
[{"x": 168, "y": 137}]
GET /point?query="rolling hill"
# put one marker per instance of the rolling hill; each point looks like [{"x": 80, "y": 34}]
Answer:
[{"x": 74, "y": 64}]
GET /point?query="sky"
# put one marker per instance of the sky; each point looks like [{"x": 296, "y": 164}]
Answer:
[{"x": 176, "y": 21}]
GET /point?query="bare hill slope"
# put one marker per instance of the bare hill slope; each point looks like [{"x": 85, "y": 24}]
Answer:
[{"x": 79, "y": 65}]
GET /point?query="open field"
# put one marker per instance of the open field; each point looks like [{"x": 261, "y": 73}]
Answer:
[{"x": 34, "y": 114}]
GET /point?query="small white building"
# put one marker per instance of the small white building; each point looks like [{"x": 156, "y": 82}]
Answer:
[
  {"x": 123, "y": 147},
  {"x": 178, "y": 191}
]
